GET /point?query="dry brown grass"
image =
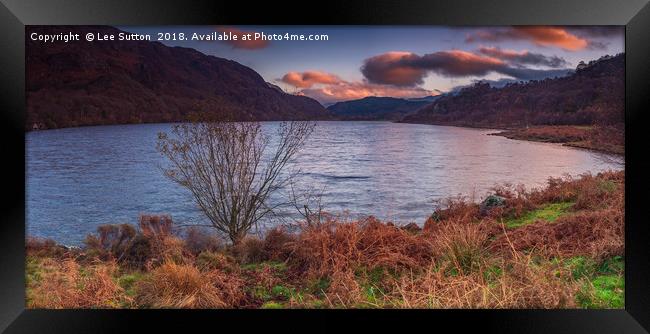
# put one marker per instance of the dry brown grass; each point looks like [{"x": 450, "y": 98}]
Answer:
[
  {"x": 184, "y": 286},
  {"x": 595, "y": 234},
  {"x": 464, "y": 246},
  {"x": 332, "y": 247},
  {"x": 595, "y": 229},
  {"x": 524, "y": 285},
  {"x": 64, "y": 285},
  {"x": 277, "y": 244}
]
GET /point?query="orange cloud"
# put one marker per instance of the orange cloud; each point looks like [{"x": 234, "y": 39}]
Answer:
[
  {"x": 249, "y": 44},
  {"x": 327, "y": 87},
  {"x": 539, "y": 35},
  {"x": 550, "y": 36},
  {"x": 309, "y": 78}
]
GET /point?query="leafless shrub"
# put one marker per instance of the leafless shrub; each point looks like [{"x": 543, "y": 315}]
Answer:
[
  {"x": 232, "y": 168},
  {"x": 111, "y": 241}
]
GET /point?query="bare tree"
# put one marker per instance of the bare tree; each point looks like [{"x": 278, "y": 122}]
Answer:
[{"x": 232, "y": 168}]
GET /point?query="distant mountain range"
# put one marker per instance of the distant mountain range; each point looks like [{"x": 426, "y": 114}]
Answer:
[
  {"x": 593, "y": 94},
  {"x": 378, "y": 108},
  {"x": 121, "y": 82},
  {"x": 118, "y": 82}
]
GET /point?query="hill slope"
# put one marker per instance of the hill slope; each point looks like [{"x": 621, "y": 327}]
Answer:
[
  {"x": 118, "y": 82},
  {"x": 377, "y": 108},
  {"x": 592, "y": 95}
]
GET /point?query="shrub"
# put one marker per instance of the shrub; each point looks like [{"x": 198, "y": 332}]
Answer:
[
  {"x": 111, "y": 241},
  {"x": 155, "y": 225},
  {"x": 199, "y": 240},
  {"x": 40, "y": 247},
  {"x": 208, "y": 260},
  {"x": 249, "y": 250},
  {"x": 277, "y": 244},
  {"x": 138, "y": 253}
]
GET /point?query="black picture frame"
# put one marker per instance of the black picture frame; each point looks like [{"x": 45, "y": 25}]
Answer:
[{"x": 15, "y": 14}]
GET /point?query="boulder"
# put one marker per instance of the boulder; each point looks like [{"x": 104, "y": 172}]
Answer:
[{"x": 491, "y": 202}]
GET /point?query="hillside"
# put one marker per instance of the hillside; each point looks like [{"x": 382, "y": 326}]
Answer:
[
  {"x": 119, "y": 82},
  {"x": 377, "y": 108},
  {"x": 593, "y": 95}
]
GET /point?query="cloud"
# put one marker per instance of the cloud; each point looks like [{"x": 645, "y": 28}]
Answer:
[
  {"x": 386, "y": 69},
  {"x": 251, "y": 44},
  {"x": 309, "y": 78},
  {"x": 409, "y": 69},
  {"x": 524, "y": 57},
  {"x": 533, "y": 74},
  {"x": 357, "y": 90},
  {"x": 597, "y": 31},
  {"x": 328, "y": 88},
  {"x": 547, "y": 36},
  {"x": 390, "y": 68}
]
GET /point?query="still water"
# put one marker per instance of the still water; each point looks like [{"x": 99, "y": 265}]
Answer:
[{"x": 80, "y": 178}]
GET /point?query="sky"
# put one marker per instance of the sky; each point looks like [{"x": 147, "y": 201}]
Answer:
[{"x": 402, "y": 61}]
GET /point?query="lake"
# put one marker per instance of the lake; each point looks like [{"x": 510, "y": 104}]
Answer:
[{"x": 79, "y": 178}]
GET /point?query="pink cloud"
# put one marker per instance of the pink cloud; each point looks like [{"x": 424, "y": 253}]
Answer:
[
  {"x": 309, "y": 78},
  {"x": 540, "y": 35},
  {"x": 327, "y": 87}
]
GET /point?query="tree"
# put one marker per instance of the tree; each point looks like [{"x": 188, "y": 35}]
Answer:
[{"x": 232, "y": 168}]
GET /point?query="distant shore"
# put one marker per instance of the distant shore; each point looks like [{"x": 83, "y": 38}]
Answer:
[
  {"x": 587, "y": 137},
  {"x": 568, "y": 135}
]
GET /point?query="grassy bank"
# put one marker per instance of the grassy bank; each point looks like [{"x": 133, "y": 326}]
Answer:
[
  {"x": 558, "y": 247},
  {"x": 608, "y": 140}
]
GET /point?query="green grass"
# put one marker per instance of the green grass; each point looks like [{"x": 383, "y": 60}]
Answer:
[
  {"x": 278, "y": 266},
  {"x": 272, "y": 305},
  {"x": 549, "y": 213},
  {"x": 282, "y": 292},
  {"x": 319, "y": 286},
  {"x": 33, "y": 270},
  {"x": 606, "y": 291},
  {"x": 128, "y": 281},
  {"x": 603, "y": 283}
]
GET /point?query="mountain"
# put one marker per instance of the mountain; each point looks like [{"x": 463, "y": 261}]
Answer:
[
  {"x": 118, "y": 82},
  {"x": 593, "y": 94},
  {"x": 377, "y": 108}
]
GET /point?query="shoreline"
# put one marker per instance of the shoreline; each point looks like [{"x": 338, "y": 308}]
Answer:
[
  {"x": 550, "y": 134},
  {"x": 559, "y": 247},
  {"x": 557, "y": 135}
]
